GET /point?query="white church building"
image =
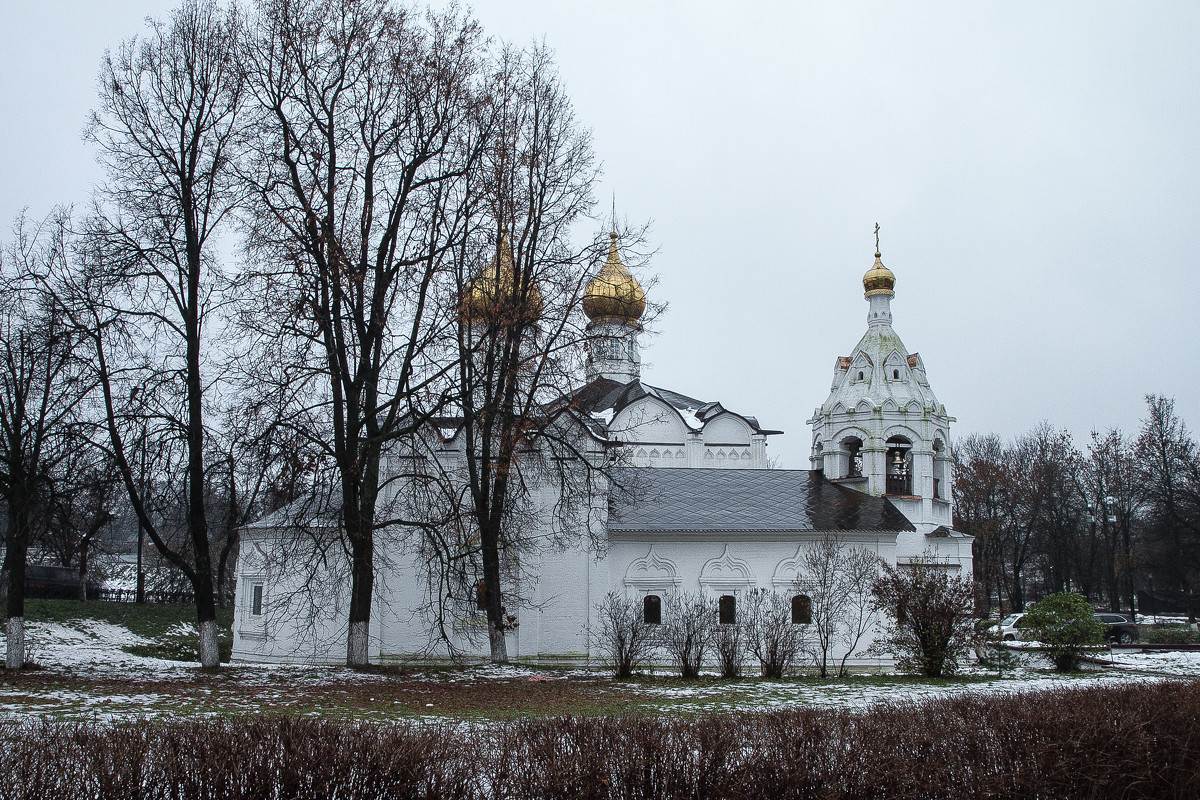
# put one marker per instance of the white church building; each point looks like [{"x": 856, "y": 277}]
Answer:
[{"x": 710, "y": 515}]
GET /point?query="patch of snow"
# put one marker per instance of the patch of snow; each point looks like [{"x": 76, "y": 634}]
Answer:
[
  {"x": 690, "y": 418},
  {"x": 93, "y": 651},
  {"x": 604, "y": 415}
]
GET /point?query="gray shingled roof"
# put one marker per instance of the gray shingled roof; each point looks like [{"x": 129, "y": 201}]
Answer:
[{"x": 744, "y": 500}]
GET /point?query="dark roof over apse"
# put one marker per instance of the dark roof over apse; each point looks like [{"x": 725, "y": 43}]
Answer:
[{"x": 744, "y": 500}]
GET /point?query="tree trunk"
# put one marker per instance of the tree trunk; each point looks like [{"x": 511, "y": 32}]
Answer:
[
  {"x": 361, "y": 586},
  {"x": 493, "y": 597},
  {"x": 15, "y": 555},
  {"x": 83, "y": 570},
  {"x": 223, "y": 593}
]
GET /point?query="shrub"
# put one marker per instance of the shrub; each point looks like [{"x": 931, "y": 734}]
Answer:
[
  {"x": 1136, "y": 741},
  {"x": 729, "y": 640},
  {"x": 770, "y": 635},
  {"x": 624, "y": 639},
  {"x": 685, "y": 632},
  {"x": 931, "y": 628},
  {"x": 1064, "y": 624},
  {"x": 1169, "y": 634}
]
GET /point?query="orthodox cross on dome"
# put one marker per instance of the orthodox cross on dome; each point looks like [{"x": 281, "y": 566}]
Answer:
[{"x": 877, "y": 240}]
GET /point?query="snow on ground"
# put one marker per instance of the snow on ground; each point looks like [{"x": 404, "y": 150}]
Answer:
[{"x": 86, "y": 673}]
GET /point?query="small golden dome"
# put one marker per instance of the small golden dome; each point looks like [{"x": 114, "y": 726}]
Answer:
[
  {"x": 489, "y": 297},
  {"x": 879, "y": 279},
  {"x": 614, "y": 292}
]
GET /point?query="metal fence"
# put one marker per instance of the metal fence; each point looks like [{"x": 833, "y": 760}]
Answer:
[{"x": 130, "y": 596}]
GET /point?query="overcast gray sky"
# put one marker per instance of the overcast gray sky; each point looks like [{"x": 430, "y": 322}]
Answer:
[{"x": 1034, "y": 168}]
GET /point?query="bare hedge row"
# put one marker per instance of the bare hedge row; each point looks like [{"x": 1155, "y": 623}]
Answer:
[{"x": 1139, "y": 741}]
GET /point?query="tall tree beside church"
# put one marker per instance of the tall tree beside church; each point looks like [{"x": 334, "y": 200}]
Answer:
[
  {"x": 167, "y": 128},
  {"x": 1170, "y": 469},
  {"x": 41, "y": 386},
  {"x": 1116, "y": 497},
  {"x": 983, "y": 504},
  {"x": 519, "y": 338},
  {"x": 365, "y": 143}
]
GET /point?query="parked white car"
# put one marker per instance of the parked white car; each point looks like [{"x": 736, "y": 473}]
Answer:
[{"x": 1010, "y": 627}]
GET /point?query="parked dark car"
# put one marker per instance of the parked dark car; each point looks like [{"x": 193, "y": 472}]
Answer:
[{"x": 1119, "y": 629}]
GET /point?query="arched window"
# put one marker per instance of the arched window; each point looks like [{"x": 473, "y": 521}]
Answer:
[
  {"x": 801, "y": 609},
  {"x": 896, "y": 374},
  {"x": 860, "y": 375},
  {"x": 481, "y": 593},
  {"x": 727, "y": 609},
  {"x": 652, "y": 609}
]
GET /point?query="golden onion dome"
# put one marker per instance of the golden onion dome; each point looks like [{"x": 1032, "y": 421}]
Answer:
[
  {"x": 879, "y": 279},
  {"x": 614, "y": 292},
  {"x": 490, "y": 297}
]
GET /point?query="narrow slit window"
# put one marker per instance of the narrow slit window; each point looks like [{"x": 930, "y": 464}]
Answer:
[{"x": 256, "y": 600}]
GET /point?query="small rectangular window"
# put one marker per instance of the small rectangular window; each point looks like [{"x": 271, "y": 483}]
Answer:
[
  {"x": 727, "y": 609},
  {"x": 256, "y": 600}
]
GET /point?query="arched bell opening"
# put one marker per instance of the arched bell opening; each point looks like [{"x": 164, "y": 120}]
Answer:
[
  {"x": 899, "y": 466},
  {"x": 940, "y": 461},
  {"x": 852, "y": 446}
]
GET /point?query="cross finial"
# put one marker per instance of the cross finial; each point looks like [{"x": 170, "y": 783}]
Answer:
[{"x": 877, "y": 240}]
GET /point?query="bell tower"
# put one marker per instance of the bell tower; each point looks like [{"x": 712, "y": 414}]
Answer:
[{"x": 881, "y": 430}]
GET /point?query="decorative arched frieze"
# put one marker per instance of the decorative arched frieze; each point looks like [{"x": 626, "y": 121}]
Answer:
[
  {"x": 726, "y": 574},
  {"x": 652, "y": 572}
]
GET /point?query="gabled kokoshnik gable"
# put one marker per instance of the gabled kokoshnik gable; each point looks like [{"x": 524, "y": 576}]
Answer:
[{"x": 694, "y": 506}]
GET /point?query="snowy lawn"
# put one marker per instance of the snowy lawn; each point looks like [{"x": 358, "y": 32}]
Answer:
[{"x": 86, "y": 671}]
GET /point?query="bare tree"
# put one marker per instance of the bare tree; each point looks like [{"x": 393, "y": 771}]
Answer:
[
  {"x": 1114, "y": 497},
  {"x": 983, "y": 490},
  {"x": 167, "y": 128},
  {"x": 80, "y": 505},
  {"x": 1168, "y": 456},
  {"x": 519, "y": 340},
  {"x": 41, "y": 387},
  {"x": 838, "y": 579},
  {"x": 773, "y": 636},
  {"x": 860, "y": 569},
  {"x": 364, "y": 143}
]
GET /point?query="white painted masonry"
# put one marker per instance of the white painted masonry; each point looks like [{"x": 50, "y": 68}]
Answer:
[{"x": 881, "y": 440}]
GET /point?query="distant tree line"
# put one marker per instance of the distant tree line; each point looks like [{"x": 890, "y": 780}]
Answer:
[
  {"x": 1117, "y": 517},
  {"x": 326, "y": 228}
]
